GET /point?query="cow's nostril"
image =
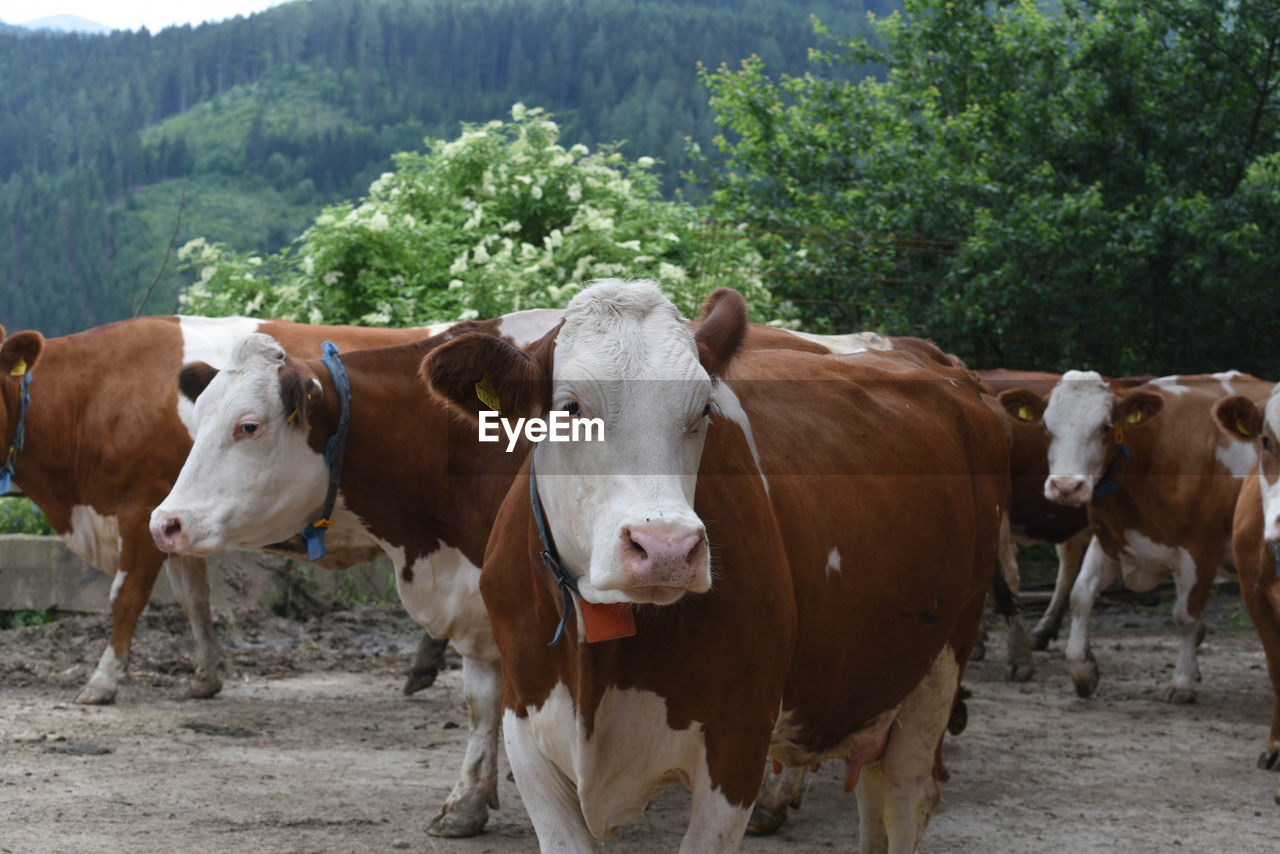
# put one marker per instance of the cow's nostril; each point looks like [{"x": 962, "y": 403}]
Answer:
[{"x": 173, "y": 529}]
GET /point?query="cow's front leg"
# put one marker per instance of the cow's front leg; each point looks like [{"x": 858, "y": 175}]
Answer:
[
  {"x": 1192, "y": 584},
  {"x": 550, "y": 798},
  {"x": 130, "y": 591},
  {"x": 467, "y": 809},
  {"x": 189, "y": 578},
  {"x": 1070, "y": 554},
  {"x": 1096, "y": 573},
  {"x": 781, "y": 792},
  {"x": 716, "y": 824}
]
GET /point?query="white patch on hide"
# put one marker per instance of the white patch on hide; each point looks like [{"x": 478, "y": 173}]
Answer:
[{"x": 94, "y": 537}]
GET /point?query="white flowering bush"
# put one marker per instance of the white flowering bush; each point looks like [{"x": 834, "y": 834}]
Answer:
[{"x": 500, "y": 219}]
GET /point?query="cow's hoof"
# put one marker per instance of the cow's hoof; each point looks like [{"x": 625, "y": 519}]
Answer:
[
  {"x": 765, "y": 821},
  {"x": 1173, "y": 694},
  {"x": 1085, "y": 676},
  {"x": 203, "y": 689},
  {"x": 418, "y": 679},
  {"x": 1268, "y": 760},
  {"x": 1022, "y": 671},
  {"x": 96, "y": 695},
  {"x": 458, "y": 824}
]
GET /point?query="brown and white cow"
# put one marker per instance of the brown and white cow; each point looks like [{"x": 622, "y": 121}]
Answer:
[
  {"x": 1256, "y": 537},
  {"x": 1160, "y": 485},
  {"x": 803, "y": 545},
  {"x": 1033, "y": 517},
  {"x": 106, "y": 435},
  {"x": 411, "y": 481}
]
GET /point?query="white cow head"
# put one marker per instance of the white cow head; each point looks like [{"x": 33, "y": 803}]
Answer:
[
  {"x": 620, "y": 511},
  {"x": 251, "y": 479},
  {"x": 1242, "y": 421},
  {"x": 1086, "y": 423}
]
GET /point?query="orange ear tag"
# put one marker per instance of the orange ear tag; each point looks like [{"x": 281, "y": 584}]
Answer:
[{"x": 607, "y": 622}]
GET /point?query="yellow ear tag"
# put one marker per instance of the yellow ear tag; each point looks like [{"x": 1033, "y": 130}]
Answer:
[
  {"x": 488, "y": 395},
  {"x": 293, "y": 417},
  {"x": 1243, "y": 430},
  {"x": 1024, "y": 413},
  {"x": 19, "y": 368},
  {"x": 1135, "y": 416},
  {"x": 1119, "y": 435}
]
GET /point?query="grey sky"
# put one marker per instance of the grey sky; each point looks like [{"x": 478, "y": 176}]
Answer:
[{"x": 132, "y": 14}]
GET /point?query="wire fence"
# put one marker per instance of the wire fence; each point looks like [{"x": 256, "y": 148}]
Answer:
[{"x": 1040, "y": 310}]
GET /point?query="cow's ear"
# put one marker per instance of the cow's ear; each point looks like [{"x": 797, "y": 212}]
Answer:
[
  {"x": 301, "y": 393},
  {"x": 1138, "y": 407},
  {"x": 19, "y": 352},
  {"x": 722, "y": 329},
  {"x": 1238, "y": 417},
  {"x": 1023, "y": 405},
  {"x": 194, "y": 378},
  {"x": 477, "y": 372}
]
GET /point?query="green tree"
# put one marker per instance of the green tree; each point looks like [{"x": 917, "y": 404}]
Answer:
[
  {"x": 1102, "y": 173},
  {"x": 500, "y": 219}
]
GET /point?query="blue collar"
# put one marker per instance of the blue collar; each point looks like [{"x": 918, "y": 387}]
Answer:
[
  {"x": 313, "y": 534},
  {"x": 550, "y": 557},
  {"x": 1107, "y": 484},
  {"x": 19, "y": 438}
]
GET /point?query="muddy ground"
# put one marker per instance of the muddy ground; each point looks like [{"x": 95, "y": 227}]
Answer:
[{"x": 312, "y": 748}]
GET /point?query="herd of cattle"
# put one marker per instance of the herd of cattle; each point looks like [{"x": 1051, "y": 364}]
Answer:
[{"x": 781, "y": 551}]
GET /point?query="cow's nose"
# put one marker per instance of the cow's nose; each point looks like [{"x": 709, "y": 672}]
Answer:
[
  {"x": 662, "y": 555},
  {"x": 1068, "y": 490},
  {"x": 167, "y": 532}
]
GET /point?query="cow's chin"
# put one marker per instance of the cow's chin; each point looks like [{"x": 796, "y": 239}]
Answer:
[{"x": 655, "y": 595}]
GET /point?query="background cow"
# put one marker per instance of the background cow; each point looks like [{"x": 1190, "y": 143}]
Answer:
[
  {"x": 106, "y": 435},
  {"x": 1256, "y": 537},
  {"x": 888, "y": 556},
  {"x": 1033, "y": 517},
  {"x": 1160, "y": 485}
]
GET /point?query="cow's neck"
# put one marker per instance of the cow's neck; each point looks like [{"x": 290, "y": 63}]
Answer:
[{"x": 398, "y": 436}]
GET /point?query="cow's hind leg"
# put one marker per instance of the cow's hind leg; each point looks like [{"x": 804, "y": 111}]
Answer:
[
  {"x": 1021, "y": 664},
  {"x": 550, "y": 798},
  {"x": 1070, "y": 553},
  {"x": 781, "y": 792},
  {"x": 427, "y": 664},
  {"x": 1096, "y": 573},
  {"x": 467, "y": 809},
  {"x": 1193, "y": 585},
  {"x": 189, "y": 578},
  {"x": 909, "y": 769}
]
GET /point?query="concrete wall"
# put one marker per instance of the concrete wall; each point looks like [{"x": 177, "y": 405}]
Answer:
[{"x": 39, "y": 573}]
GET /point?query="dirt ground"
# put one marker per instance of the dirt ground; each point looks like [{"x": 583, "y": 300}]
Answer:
[{"x": 312, "y": 748}]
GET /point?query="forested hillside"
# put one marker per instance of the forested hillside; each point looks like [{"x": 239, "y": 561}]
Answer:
[{"x": 262, "y": 120}]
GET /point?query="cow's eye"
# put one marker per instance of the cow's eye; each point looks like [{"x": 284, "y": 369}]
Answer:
[
  {"x": 571, "y": 407},
  {"x": 246, "y": 428},
  {"x": 1106, "y": 428},
  {"x": 1266, "y": 442},
  {"x": 706, "y": 411}
]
